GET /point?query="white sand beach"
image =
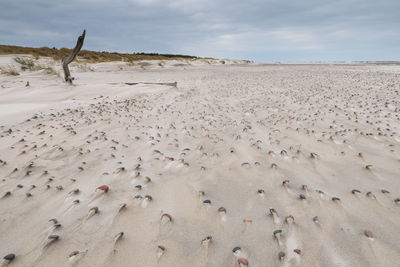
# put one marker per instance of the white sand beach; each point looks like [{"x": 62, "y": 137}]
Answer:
[{"x": 203, "y": 173}]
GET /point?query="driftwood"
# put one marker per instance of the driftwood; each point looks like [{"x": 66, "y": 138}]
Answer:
[
  {"x": 72, "y": 56},
  {"x": 175, "y": 84}
]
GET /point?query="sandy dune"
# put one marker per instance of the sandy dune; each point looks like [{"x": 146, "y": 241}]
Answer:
[{"x": 240, "y": 164}]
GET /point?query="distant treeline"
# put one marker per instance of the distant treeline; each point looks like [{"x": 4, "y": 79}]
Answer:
[
  {"x": 166, "y": 55},
  {"x": 88, "y": 55}
]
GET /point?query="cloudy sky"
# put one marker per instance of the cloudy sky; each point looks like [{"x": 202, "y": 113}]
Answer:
[{"x": 259, "y": 30}]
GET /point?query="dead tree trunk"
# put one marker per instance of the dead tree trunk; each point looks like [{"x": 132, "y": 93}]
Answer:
[{"x": 72, "y": 56}]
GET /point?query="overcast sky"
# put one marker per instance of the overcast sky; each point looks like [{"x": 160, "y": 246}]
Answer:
[{"x": 259, "y": 30}]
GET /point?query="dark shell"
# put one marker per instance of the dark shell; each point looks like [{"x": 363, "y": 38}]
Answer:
[
  {"x": 73, "y": 253},
  {"x": 9, "y": 257},
  {"x": 277, "y": 232},
  {"x": 235, "y": 249}
]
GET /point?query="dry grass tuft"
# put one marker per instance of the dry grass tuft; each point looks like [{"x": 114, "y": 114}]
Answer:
[
  {"x": 30, "y": 64},
  {"x": 26, "y": 63},
  {"x": 143, "y": 65},
  {"x": 9, "y": 71},
  {"x": 50, "y": 71}
]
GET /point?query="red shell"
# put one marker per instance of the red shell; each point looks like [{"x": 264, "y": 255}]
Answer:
[
  {"x": 104, "y": 188},
  {"x": 298, "y": 251},
  {"x": 243, "y": 261}
]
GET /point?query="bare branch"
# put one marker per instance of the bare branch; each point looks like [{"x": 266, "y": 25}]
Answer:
[{"x": 72, "y": 56}]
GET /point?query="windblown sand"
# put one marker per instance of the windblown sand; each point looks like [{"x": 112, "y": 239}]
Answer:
[{"x": 228, "y": 154}]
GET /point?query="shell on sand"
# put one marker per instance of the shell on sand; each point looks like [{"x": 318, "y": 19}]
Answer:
[
  {"x": 368, "y": 234},
  {"x": 9, "y": 257},
  {"x": 243, "y": 261},
  {"x": 104, "y": 188}
]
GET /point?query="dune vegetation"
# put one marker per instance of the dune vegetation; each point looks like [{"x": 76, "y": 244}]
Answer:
[{"x": 87, "y": 55}]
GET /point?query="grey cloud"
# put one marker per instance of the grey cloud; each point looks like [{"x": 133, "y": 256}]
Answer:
[{"x": 254, "y": 29}]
